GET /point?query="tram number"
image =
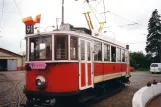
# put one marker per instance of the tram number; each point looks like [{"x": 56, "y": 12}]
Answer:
[{"x": 29, "y": 29}]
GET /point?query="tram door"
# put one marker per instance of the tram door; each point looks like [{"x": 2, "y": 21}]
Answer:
[{"x": 85, "y": 64}]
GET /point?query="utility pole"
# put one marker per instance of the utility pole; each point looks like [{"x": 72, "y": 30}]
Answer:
[{"x": 62, "y": 12}]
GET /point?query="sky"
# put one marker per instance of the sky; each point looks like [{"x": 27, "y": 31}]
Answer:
[{"x": 122, "y": 13}]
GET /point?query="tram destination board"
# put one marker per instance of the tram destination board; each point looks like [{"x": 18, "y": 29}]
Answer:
[{"x": 29, "y": 29}]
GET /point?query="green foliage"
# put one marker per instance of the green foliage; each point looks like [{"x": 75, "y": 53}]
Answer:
[
  {"x": 153, "y": 44},
  {"x": 140, "y": 61},
  {"x": 133, "y": 63}
]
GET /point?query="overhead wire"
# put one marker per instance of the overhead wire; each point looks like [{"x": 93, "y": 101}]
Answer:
[
  {"x": 8, "y": 12},
  {"x": 97, "y": 4},
  {"x": 93, "y": 12},
  {"x": 127, "y": 25},
  {"x": 96, "y": 12},
  {"x": 126, "y": 19},
  {"x": 104, "y": 10},
  {"x": 93, "y": 8},
  {"x": 2, "y": 14},
  {"x": 121, "y": 16},
  {"x": 18, "y": 8}
]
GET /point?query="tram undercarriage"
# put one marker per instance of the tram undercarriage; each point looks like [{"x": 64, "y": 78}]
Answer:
[{"x": 100, "y": 91}]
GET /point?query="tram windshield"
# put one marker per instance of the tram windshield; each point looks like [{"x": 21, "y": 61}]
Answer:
[{"x": 40, "y": 48}]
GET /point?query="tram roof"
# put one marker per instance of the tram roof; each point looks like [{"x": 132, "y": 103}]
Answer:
[{"x": 84, "y": 32}]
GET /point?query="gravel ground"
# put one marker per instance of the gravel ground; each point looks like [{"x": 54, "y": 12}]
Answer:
[{"x": 12, "y": 83}]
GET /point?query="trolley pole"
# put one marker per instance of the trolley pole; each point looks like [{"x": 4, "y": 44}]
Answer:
[{"x": 62, "y": 12}]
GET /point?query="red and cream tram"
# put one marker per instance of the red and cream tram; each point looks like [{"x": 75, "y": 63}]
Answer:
[{"x": 71, "y": 61}]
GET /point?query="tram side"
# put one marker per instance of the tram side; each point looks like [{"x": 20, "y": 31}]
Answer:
[{"x": 73, "y": 64}]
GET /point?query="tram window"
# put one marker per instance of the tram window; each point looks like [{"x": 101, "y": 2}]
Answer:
[
  {"x": 40, "y": 48},
  {"x": 61, "y": 47},
  {"x": 88, "y": 51},
  {"x": 73, "y": 48},
  {"x": 82, "y": 50},
  {"x": 42, "y": 52},
  {"x": 123, "y": 55},
  {"x": 98, "y": 51},
  {"x": 106, "y": 52},
  {"x": 113, "y": 54},
  {"x": 118, "y": 54}
]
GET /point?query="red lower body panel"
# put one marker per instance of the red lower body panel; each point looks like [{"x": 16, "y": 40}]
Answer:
[
  {"x": 83, "y": 75},
  {"x": 108, "y": 68},
  {"x": 62, "y": 77}
]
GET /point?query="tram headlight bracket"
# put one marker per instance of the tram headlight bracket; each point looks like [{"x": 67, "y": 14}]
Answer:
[{"x": 40, "y": 82}]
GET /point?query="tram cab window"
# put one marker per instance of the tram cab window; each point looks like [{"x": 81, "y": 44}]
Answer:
[
  {"x": 123, "y": 55},
  {"x": 40, "y": 48},
  {"x": 118, "y": 54},
  {"x": 61, "y": 47},
  {"x": 113, "y": 54},
  {"x": 73, "y": 48},
  {"x": 106, "y": 52},
  {"x": 98, "y": 51}
]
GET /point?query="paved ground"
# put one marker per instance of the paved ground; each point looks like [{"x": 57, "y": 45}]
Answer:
[{"x": 12, "y": 83}]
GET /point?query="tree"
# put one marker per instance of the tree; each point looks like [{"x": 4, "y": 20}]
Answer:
[
  {"x": 139, "y": 59},
  {"x": 133, "y": 63},
  {"x": 153, "y": 44}
]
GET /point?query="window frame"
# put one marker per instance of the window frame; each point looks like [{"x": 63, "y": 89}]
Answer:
[
  {"x": 117, "y": 48},
  {"x": 111, "y": 57},
  {"x": 81, "y": 50},
  {"x": 104, "y": 45},
  {"x": 66, "y": 46},
  {"x": 88, "y": 53},
  {"x": 29, "y": 48},
  {"x": 97, "y": 54},
  {"x": 71, "y": 36}
]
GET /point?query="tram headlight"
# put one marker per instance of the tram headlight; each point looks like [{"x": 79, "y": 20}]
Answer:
[{"x": 40, "y": 82}]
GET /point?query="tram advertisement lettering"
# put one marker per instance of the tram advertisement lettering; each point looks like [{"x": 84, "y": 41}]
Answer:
[
  {"x": 29, "y": 29},
  {"x": 37, "y": 65},
  {"x": 42, "y": 72}
]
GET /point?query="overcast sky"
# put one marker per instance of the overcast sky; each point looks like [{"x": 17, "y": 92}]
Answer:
[{"x": 139, "y": 11}]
